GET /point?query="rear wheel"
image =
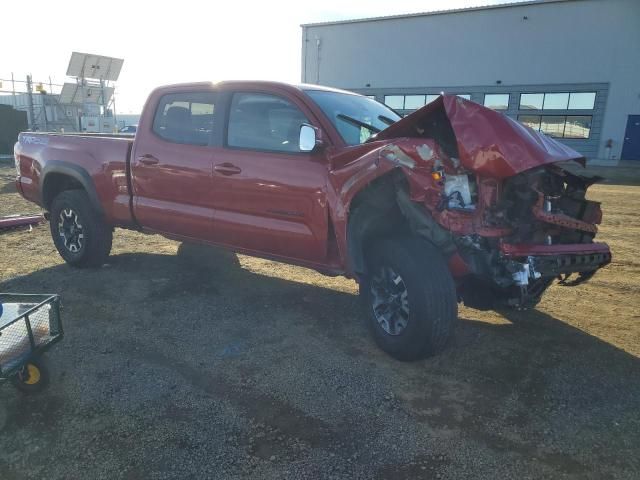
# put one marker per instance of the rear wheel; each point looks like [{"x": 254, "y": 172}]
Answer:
[
  {"x": 79, "y": 233},
  {"x": 411, "y": 298}
]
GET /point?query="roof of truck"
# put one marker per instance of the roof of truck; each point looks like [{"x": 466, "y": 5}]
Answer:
[{"x": 256, "y": 84}]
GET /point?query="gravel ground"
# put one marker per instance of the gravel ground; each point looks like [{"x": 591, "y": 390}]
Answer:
[{"x": 184, "y": 362}]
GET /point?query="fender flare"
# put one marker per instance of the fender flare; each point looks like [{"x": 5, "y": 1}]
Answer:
[{"x": 77, "y": 173}]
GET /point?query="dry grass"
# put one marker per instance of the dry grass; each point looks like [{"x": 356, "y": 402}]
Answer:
[
  {"x": 254, "y": 369},
  {"x": 607, "y": 307}
]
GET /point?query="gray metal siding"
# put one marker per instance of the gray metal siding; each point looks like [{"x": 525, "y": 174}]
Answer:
[{"x": 531, "y": 47}]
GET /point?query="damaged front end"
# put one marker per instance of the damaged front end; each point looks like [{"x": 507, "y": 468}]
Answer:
[
  {"x": 551, "y": 236},
  {"x": 493, "y": 196}
]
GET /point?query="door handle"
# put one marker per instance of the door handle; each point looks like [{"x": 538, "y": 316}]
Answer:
[
  {"x": 148, "y": 159},
  {"x": 227, "y": 169}
]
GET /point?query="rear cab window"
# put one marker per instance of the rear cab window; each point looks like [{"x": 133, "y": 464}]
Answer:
[
  {"x": 264, "y": 122},
  {"x": 186, "y": 117}
]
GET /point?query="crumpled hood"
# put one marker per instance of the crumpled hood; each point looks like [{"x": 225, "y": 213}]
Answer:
[{"x": 485, "y": 141}]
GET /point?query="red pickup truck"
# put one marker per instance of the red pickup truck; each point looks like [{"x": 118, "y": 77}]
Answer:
[{"x": 454, "y": 202}]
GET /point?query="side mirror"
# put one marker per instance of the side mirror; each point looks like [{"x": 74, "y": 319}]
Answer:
[{"x": 309, "y": 138}]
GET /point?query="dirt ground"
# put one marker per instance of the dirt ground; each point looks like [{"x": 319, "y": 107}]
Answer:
[{"x": 183, "y": 363}]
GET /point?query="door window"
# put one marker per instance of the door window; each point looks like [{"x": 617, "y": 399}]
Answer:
[
  {"x": 260, "y": 121},
  {"x": 186, "y": 118}
]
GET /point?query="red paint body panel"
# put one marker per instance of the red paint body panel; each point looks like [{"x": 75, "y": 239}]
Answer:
[
  {"x": 103, "y": 158},
  {"x": 276, "y": 203},
  {"x": 283, "y": 206}
]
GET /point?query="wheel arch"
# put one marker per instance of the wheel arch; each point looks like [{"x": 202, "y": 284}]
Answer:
[
  {"x": 373, "y": 213},
  {"x": 59, "y": 176},
  {"x": 385, "y": 208}
]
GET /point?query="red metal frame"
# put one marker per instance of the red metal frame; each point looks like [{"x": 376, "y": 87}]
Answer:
[{"x": 523, "y": 250}]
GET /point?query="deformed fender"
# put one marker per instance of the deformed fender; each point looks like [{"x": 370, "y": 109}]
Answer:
[
  {"x": 411, "y": 156},
  {"x": 77, "y": 173},
  {"x": 423, "y": 224}
]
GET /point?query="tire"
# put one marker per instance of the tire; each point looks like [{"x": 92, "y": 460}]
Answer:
[
  {"x": 424, "y": 298},
  {"x": 31, "y": 378},
  {"x": 79, "y": 233}
]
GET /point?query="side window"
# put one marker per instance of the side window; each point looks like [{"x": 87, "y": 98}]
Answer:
[
  {"x": 264, "y": 122},
  {"x": 186, "y": 118}
]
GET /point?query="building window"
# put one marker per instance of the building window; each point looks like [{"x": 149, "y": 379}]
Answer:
[
  {"x": 577, "y": 126},
  {"x": 582, "y": 100},
  {"x": 555, "y": 101},
  {"x": 413, "y": 102},
  {"x": 394, "y": 101},
  {"x": 553, "y": 125},
  {"x": 531, "y": 121},
  {"x": 531, "y": 101},
  {"x": 408, "y": 102},
  {"x": 558, "y": 101},
  {"x": 496, "y": 101},
  {"x": 559, "y": 126}
]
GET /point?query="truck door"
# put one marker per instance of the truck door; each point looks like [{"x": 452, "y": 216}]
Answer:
[
  {"x": 172, "y": 162},
  {"x": 272, "y": 196}
]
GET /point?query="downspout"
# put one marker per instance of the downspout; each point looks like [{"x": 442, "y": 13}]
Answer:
[
  {"x": 305, "y": 40},
  {"x": 318, "y": 60}
]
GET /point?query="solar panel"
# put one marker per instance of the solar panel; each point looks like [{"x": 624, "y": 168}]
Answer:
[
  {"x": 75, "y": 94},
  {"x": 87, "y": 65}
]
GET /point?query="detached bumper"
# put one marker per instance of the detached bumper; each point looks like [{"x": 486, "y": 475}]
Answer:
[{"x": 554, "y": 260}]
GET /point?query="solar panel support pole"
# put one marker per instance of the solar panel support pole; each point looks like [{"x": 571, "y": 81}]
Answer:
[{"x": 32, "y": 113}]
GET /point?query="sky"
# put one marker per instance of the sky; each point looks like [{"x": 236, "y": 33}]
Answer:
[{"x": 176, "y": 41}]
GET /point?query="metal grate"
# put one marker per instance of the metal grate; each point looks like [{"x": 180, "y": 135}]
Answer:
[{"x": 28, "y": 325}]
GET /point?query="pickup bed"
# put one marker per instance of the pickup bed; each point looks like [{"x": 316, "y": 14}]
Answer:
[{"x": 455, "y": 202}]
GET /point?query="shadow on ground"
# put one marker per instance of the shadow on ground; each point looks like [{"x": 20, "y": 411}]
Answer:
[{"x": 287, "y": 369}]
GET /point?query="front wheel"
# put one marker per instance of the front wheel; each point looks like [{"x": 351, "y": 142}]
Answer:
[{"x": 411, "y": 298}]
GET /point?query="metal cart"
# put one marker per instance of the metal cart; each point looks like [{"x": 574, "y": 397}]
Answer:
[{"x": 29, "y": 325}]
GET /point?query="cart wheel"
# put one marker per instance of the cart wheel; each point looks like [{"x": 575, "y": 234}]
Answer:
[{"x": 32, "y": 377}]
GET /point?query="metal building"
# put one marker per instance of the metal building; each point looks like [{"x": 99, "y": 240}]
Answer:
[{"x": 570, "y": 68}]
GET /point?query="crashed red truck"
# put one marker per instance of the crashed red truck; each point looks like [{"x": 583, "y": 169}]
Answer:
[{"x": 454, "y": 202}]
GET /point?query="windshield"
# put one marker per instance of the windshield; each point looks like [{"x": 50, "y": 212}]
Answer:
[{"x": 355, "y": 117}]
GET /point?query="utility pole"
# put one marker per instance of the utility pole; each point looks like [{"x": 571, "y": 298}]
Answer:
[
  {"x": 13, "y": 91},
  {"x": 32, "y": 112},
  {"x": 44, "y": 111}
]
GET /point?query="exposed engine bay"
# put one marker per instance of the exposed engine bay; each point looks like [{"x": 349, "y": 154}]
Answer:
[
  {"x": 545, "y": 209},
  {"x": 496, "y": 199}
]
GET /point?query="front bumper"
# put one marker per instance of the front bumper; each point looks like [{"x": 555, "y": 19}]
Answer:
[{"x": 555, "y": 260}]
